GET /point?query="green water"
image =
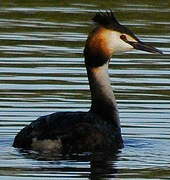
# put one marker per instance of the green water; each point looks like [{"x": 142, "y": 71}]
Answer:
[{"x": 42, "y": 71}]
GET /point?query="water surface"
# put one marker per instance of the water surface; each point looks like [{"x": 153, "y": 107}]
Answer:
[{"x": 42, "y": 71}]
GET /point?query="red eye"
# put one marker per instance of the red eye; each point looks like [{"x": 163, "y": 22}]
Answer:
[{"x": 123, "y": 37}]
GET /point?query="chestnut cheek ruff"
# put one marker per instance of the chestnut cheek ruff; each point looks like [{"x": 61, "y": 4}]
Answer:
[{"x": 95, "y": 59}]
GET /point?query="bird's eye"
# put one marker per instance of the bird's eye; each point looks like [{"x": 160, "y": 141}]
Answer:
[{"x": 123, "y": 37}]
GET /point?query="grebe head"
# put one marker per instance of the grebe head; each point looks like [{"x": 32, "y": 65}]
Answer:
[{"x": 110, "y": 37}]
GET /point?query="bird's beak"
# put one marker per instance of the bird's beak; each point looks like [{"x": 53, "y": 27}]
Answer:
[{"x": 144, "y": 47}]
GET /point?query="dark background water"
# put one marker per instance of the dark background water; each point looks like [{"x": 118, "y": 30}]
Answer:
[{"x": 42, "y": 71}]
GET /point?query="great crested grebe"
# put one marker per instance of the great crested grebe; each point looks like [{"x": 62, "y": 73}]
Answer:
[{"x": 98, "y": 129}]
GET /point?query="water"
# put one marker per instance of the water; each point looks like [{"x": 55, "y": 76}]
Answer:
[{"x": 42, "y": 71}]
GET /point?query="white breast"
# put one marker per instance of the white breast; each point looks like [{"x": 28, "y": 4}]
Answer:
[{"x": 46, "y": 145}]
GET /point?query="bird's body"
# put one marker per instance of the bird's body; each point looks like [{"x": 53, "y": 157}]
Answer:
[
  {"x": 69, "y": 132},
  {"x": 98, "y": 129}
]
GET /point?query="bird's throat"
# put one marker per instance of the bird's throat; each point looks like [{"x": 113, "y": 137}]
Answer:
[{"x": 103, "y": 100}]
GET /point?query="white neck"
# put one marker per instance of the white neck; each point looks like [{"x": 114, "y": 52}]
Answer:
[{"x": 103, "y": 100}]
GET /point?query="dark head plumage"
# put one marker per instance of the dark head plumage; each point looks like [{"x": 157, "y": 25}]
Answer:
[
  {"x": 110, "y": 37},
  {"x": 108, "y": 20}
]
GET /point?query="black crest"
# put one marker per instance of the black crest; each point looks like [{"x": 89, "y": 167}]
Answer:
[{"x": 108, "y": 20}]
